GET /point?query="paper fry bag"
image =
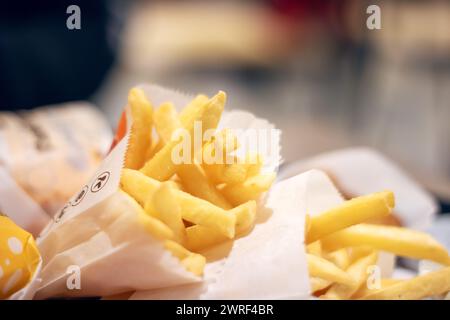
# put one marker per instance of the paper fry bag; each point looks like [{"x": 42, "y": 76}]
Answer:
[{"x": 103, "y": 243}]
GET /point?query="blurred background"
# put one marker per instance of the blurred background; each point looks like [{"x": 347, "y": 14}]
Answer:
[{"x": 312, "y": 67}]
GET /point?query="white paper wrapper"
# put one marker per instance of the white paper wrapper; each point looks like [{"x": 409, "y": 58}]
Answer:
[
  {"x": 19, "y": 206},
  {"x": 360, "y": 171},
  {"x": 98, "y": 232}
]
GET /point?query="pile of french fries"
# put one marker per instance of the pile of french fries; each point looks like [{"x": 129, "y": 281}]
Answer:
[
  {"x": 194, "y": 205},
  {"x": 342, "y": 251}
]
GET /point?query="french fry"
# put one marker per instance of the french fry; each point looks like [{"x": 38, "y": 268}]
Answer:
[
  {"x": 245, "y": 216},
  {"x": 254, "y": 163},
  {"x": 315, "y": 248},
  {"x": 161, "y": 166},
  {"x": 384, "y": 283},
  {"x": 192, "y": 108},
  {"x": 339, "y": 257},
  {"x": 200, "y": 237},
  {"x": 358, "y": 272},
  {"x": 137, "y": 185},
  {"x": 218, "y": 147},
  {"x": 150, "y": 224},
  {"x": 318, "y": 284},
  {"x": 194, "y": 179},
  {"x": 430, "y": 284},
  {"x": 248, "y": 190},
  {"x": 232, "y": 173},
  {"x": 199, "y": 211},
  {"x": 141, "y": 129},
  {"x": 193, "y": 262},
  {"x": 166, "y": 121},
  {"x": 196, "y": 183},
  {"x": 401, "y": 241},
  {"x": 193, "y": 209},
  {"x": 324, "y": 269},
  {"x": 169, "y": 211},
  {"x": 349, "y": 213}
]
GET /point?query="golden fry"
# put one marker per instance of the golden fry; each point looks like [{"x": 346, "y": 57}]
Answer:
[
  {"x": 358, "y": 271},
  {"x": 339, "y": 257},
  {"x": 200, "y": 237},
  {"x": 169, "y": 211},
  {"x": 318, "y": 284},
  {"x": 430, "y": 284},
  {"x": 161, "y": 166},
  {"x": 141, "y": 129},
  {"x": 315, "y": 248},
  {"x": 401, "y": 241},
  {"x": 250, "y": 189},
  {"x": 324, "y": 269},
  {"x": 384, "y": 283},
  {"x": 196, "y": 182},
  {"x": 193, "y": 262},
  {"x": 166, "y": 121},
  {"x": 349, "y": 213},
  {"x": 137, "y": 185}
]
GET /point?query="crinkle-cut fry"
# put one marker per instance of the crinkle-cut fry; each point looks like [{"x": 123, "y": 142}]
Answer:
[
  {"x": 197, "y": 183},
  {"x": 250, "y": 189},
  {"x": 193, "y": 209},
  {"x": 166, "y": 121},
  {"x": 401, "y": 241},
  {"x": 318, "y": 284},
  {"x": 358, "y": 271},
  {"x": 349, "y": 213},
  {"x": 200, "y": 237},
  {"x": 315, "y": 248},
  {"x": 193, "y": 262},
  {"x": 161, "y": 166},
  {"x": 192, "y": 107},
  {"x": 324, "y": 269},
  {"x": 141, "y": 128},
  {"x": 364, "y": 290},
  {"x": 169, "y": 211},
  {"x": 427, "y": 285},
  {"x": 339, "y": 257}
]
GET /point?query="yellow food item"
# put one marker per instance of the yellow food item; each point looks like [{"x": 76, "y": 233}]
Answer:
[
  {"x": 248, "y": 190},
  {"x": 398, "y": 240},
  {"x": 19, "y": 257},
  {"x": 358, "y": 272},
  {"x": 350, "y": 213},
  {"x": 430, "y": 284},
  {"x": 161, "y": 166},
  {"x": 193, "y": 262},
  {"x": 169, "y": 211},
  {"x": 324, "y": 269},
  {"x": 141, "y": 129}
]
